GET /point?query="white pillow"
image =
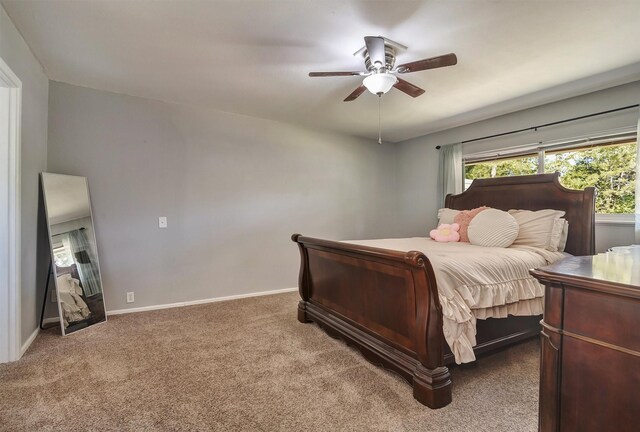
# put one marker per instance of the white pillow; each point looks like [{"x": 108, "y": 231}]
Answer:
[
  {"x": 564, "y": 235},
  {"x": 539, "y": 229},
  {"x": 446, "y": 215},
  {"x": 493, "y": 228}
]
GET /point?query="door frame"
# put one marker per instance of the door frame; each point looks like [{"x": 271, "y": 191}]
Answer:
[{"x": 10, "y": 276}]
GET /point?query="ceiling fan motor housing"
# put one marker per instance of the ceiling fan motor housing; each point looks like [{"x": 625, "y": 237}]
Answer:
[{"x": 389, "y": 58}]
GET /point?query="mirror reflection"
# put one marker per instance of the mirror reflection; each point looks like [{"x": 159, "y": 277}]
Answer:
[{"x": 74, "y": 253}]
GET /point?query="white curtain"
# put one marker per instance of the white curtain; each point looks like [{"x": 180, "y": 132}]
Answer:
[
  {"x": 67, "y": 249},
  {"x": 637, "y": 239},
  {"x": 451, "y": 171}
]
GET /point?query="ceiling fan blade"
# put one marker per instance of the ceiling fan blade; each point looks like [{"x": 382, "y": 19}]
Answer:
[
  {"x": 357, "y": 92},
  {"x": 328, "y": 74},
  {"x": 375, "y": 48},
  {"x": 408, "y": 88},
  {"x": 430, "y": 63}
]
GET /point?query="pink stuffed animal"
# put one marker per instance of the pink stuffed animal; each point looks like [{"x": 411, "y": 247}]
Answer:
[{"x": 446, "y": 233}]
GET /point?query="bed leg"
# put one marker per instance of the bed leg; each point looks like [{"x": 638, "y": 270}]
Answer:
[
  {"x": 432, "y": 387},
  {"x": 302, "y": 312}
]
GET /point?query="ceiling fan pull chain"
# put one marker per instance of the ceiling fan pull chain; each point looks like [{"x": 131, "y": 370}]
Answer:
[{"x": 379, "y": 122}]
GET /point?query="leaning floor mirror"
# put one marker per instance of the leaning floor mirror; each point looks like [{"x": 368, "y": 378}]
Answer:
[{"x": 74, "y": 255}]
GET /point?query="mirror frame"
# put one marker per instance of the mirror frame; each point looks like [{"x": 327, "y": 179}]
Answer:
[{"x": 52, "y": 258}]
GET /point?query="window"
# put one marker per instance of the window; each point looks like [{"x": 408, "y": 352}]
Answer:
[
  {"x": 62, "y": 257},
  {"x": 610, "y": 167},
  {"x": 521, "y": 165}
]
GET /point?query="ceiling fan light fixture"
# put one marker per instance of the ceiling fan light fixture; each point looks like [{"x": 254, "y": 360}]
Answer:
[{"x": 380, "y": 83}]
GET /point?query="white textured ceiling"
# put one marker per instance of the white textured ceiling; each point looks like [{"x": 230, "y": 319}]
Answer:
[{"x": 252, "y": 57}]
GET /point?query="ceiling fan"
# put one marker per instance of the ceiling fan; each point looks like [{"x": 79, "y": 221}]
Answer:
[{"x": 379, "y": 59}]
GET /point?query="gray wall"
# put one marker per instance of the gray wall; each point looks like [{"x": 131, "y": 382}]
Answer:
[
  {"x": 35, "y": 92},
  {"x": 234, "y": 189},
  {"x": 417, "y": 159}
]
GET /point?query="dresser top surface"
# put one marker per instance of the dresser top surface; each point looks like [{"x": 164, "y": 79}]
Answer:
[{"x": 620, "y": 266}]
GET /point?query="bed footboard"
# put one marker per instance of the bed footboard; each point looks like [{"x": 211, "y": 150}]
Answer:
[{"x": 384, "y": 303}]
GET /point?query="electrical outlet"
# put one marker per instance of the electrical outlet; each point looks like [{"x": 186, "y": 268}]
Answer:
[
  {"x": 130, "y": 297},
  {"x": 162, "y": 222}
]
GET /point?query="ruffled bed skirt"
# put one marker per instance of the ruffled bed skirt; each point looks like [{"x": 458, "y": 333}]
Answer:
[{"x": 459, "y": 324}]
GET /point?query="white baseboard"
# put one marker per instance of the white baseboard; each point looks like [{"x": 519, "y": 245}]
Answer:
[
  {"x": 197, "y": 302},
  {"x": 29, "y": 341},
  {"x": 35, "y": 334}
]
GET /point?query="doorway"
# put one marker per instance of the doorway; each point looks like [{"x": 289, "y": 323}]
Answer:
[{"x": 10, "y": 113}]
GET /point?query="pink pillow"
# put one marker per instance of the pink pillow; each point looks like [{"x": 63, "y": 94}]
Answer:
[
  {"x": 446, "y": 233},
  {"x": 464, "y": 219}
]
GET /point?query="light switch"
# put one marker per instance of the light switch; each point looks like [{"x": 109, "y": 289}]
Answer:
[{"x": 162, "y": 222}]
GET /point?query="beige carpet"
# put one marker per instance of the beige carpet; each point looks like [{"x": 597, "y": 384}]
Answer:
[{"x": 244, "y": 365}]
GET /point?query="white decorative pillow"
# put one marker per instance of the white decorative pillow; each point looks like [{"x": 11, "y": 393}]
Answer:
[
  {"x": 539, "y": 229},
  {"x": 446, "y": 215},
  {"x": 493, "y": 228}
]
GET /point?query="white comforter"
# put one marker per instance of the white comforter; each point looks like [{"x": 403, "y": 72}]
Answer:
[{"x": 476, "y": 282}]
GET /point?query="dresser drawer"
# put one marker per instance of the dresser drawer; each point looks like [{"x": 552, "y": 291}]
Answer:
[
  {"x": 610, "y": 319},
  {"x": 595, "y": 395}
]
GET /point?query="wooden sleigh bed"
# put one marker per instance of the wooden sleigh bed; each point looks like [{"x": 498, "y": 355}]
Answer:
[{"x": 385, "y": 303}]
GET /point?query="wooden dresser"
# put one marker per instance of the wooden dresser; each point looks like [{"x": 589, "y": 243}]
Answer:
[{"x": 590, "y": 359}]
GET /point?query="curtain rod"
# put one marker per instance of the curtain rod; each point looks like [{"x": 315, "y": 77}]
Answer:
[
  {"x": 67, "y": 232},
  {"x": 535, "y": 128},
  {"x": 535, "y": 147}
]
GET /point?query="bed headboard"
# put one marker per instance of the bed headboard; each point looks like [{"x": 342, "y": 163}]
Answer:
[{"x": 536, "y": 192}]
